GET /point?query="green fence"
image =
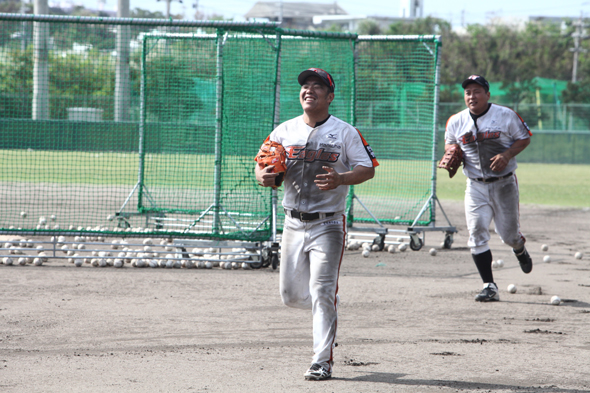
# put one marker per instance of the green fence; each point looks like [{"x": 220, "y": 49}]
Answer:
[{"x": 127, "y": 126}]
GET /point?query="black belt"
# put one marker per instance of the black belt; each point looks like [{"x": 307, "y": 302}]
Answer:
[
  {"x": 492, "y": 179},
  {"x": 307, "y": 216}
]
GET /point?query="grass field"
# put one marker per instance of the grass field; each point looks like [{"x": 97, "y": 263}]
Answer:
[{"x": 543, "y": 184}]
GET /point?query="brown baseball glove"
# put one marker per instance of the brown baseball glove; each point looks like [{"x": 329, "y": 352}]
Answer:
[
  {"x": 273, "y": 153},
  {"x": 452, "y": 160}
]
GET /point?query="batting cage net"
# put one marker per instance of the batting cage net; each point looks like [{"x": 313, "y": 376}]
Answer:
[{"x": 150, "y": 127}]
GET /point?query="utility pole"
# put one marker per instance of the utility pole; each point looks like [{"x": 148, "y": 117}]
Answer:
[
  {"x": 578, "y": 35},
  {"x": 41, "y": 64},
  {"x": 122, "y": 77},
  {"x": 168, "y": 7}
]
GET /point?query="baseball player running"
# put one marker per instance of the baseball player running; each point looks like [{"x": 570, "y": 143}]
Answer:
[
  {"x": 490, "y": 136},
  {"x": 321, "y": 150}
]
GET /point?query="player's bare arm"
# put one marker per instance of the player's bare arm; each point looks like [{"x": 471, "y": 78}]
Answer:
[
  {"x": 499, "y": 161},
  {"x": 264, "y": 175},
  {"x": 333, "y": 179}
]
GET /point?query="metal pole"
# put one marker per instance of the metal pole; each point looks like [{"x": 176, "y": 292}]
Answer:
[
  {"x": 218, "y": 130},
  {"x": 276, "y": 121},
  {"x": 122, "y": 79},
  {"x": 142, "y": 117},
  {"x": 434, "y": 126},
  {"x": 350, "y": 197},
  {"x": 41, "y": 64}
]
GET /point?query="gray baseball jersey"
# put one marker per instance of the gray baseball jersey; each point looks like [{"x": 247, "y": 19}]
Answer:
[
  {"x": 493, "y": 133},
  {"x": 334, "y": 143}
]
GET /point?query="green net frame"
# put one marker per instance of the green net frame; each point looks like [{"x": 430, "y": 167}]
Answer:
[{"x": 151, "y": 127}]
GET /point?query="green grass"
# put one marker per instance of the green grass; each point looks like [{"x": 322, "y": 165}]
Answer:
[{"x": 542, "y": 184}]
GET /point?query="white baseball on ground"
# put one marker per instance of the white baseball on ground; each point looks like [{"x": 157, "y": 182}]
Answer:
[
  {"x": 208, "y": 265},
  {"x": 578, "y": 255},
  {"x": 366, "y": 253},
  {"x": 366, "y": 246},
  {"x": 432, "y": 252},
  {"x": 555, "y": 300},
  {"x": 402, "y": 247},
  {"x": 511, "y": 288},
  {"x": 494, "y": 265},
  {"x": 546, "y": 259},
  {"x": 544, "y": 247},
  {"x": 375, "y": 247},
  {"x": 391, "y": 249},
  {"x": 500, "y": 263}
]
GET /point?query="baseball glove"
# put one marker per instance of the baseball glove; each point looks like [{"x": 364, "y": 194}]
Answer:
[
  {"x": 452, "y": 160},
  {"x": 273, "y": 153}
]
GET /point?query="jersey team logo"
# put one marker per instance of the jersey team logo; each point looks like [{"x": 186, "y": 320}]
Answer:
[
  {"x": 470, "y": 138},
  {"x": 309, "y": 155}
]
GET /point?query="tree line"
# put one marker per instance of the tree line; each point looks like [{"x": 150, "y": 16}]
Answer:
[{"x": 513, "y": 55}]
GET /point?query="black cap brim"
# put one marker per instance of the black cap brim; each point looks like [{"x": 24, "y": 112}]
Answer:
[{"x": 307, "y": 73}]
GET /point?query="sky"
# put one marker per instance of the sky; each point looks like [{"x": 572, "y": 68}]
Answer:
[{"x": 458, "y": 12}]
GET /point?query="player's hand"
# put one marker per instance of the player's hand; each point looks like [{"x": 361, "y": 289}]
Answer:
[
  {"x": 328, "y": 181},
  {"x": 499, "y": 162},
  {"x": 265, "y": 177}
]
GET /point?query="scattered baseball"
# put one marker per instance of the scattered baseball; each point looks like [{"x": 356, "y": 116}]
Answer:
[
  {"x": 391, "y": 248},
  {"x": 53, "y": 217},
  {"x": 402, "y": 247},
  {"x": 366, "y": 246},
  {"x": 366, "y": 253},
  {"x": 208, "y": 265},
  {"x": 78, "y": 262},
  {"x": 500, "y": 263},
  {"x": 7, "y": 261},
  {"x": 511, "y": 288},
  {"x": 555, "y": 300},
  {"x": 494, "y": 265},
  {"x": 23, "y": 214},
  {"x": 578, "y": 255},
  {"x": 375, "y": 247},
  {"x": 432, "y": 252},
  {"x": 544, "y": 247},
  {"x": 42, "y": 220},
  {"x": 546, "y": 259},
  {"x": 111, "y": 217}
]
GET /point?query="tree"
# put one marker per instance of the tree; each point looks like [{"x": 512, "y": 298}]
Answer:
[{"x": 368, "y": 27}]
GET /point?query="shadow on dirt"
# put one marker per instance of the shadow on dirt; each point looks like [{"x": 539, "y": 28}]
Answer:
[{"x": 396, "y": 379}]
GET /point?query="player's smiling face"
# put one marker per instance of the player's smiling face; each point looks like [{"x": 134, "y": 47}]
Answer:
[
  {"x": 476, "y": 98},
  {"x": 314, "y": 95}
]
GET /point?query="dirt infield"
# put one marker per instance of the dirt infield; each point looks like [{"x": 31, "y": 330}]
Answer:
[{"x": 407, "y": 325}]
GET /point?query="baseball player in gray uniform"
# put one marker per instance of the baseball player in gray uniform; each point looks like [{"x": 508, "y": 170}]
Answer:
[
  {"x": 490, "y": 137},
  {"x": 321, "y": 150}
]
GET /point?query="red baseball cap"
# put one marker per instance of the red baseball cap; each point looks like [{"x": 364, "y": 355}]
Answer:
[{"x": 324, "y": 76}]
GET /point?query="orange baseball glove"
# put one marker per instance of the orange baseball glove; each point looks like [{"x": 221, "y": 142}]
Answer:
[
  {"x": 452, "y": 160},
  {"x": 273, "y": 153}
]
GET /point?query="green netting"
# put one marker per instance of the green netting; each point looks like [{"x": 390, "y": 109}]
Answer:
[
  {"x": 146, "y": 126},
  {"x": 395, "y": 101}
]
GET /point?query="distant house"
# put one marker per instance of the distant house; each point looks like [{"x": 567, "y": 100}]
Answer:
[{"x": 294, "y": 15}]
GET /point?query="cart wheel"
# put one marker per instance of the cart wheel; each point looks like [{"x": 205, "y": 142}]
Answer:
[
  {"x": 415, "y": 242},
  {"x": 448, "y": 241},
  {"x": 275, "y": 261},
  {"x": 265, "y": 257},
  {"x": 380, "y": 241},
  {"x": 256, "y": 265}
]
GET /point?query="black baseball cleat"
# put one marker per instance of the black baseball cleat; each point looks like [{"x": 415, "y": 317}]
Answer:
[
  {"x": 488, "y": 294},
  {"x": 526, "y": 263},
  {"x": 317, "y": 372}
]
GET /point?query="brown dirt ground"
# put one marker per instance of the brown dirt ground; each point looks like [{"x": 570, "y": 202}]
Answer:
[{"x": 408, "y": 326}]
